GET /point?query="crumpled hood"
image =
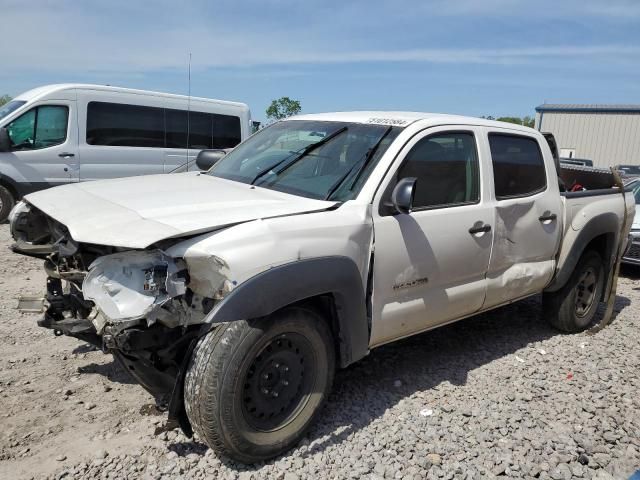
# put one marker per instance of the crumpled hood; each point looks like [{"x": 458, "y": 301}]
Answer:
[{"x": 136, "y": 212}]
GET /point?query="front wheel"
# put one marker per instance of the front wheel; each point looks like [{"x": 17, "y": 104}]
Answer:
[
  {"x": 253, "y": 387},
  {"x": 6, "y": 203},
  {"x": 573, "y": 307}
]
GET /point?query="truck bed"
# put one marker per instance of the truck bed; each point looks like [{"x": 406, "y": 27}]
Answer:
[
  {"x": 591, "y": 180},
  {"x": 599, "y": 198}
]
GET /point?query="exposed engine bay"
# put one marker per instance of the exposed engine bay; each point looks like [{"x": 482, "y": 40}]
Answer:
[{"x": 135, "y": 304}]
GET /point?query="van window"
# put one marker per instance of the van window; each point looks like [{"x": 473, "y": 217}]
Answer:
[
  {"x": 446, "y": 168},
  {"x": 226, "y": 131},
  {"x": 176, "y": 128},
  {"x": 518, "y": 167},
  {"x": 10, "y": 107},
  {"x": 40, "y": 127},
  {"x": 200, "y": 130},
  {"x": 124, "y": 125},
  {"x": 51, "y": 126},
  {"x": 136, "y": 126}
]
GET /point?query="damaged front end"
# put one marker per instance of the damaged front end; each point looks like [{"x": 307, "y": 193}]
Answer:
[{"x": 139, "y": 305}]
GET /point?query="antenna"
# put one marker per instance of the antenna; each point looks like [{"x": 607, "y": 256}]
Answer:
[{"x": 189, "y": 111}]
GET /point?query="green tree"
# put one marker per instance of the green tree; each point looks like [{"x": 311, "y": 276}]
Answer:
[
  {"x": 4, "y": 99},
  {"x": 282, "y": 108},
  {"x": 526, "y": 121}
]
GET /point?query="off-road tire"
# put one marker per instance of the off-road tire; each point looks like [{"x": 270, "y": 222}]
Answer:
[
  {"x": 573, "y": 308},
  {"x": 225, "y": 394},
  {"x": 7, "y": 201}
]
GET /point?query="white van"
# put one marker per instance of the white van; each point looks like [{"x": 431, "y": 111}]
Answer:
[{"x": 59, "y": 134}]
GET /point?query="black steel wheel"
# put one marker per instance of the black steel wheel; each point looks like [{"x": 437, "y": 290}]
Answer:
[
  {"x": 585, "y": 293},
  {"x": 253, "y": 387},
  {"x": 573, "y": 308},
  {"x": 278, "y": 382}
]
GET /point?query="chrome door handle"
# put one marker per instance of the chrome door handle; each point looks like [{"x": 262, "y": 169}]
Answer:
[
  {"x": 480, "y": 229},
  {"x": 66, "y": 155}
]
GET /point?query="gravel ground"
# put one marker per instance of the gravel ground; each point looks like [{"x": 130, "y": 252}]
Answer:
[{"x": 501, "y": 394}]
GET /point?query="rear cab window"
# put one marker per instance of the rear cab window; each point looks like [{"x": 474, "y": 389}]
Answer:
[{"x": 518, "y": 165}]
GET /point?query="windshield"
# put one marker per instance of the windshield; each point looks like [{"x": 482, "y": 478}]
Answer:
[
  {"x": 315, "y": 159},
  {"x": 12, "y": 106}
]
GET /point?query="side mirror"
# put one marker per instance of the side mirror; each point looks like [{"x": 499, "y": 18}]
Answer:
[
  {"x": 208, "y": 158},
  {"x": 403, "y": 193},
  {"x": 5, "y": 142}
]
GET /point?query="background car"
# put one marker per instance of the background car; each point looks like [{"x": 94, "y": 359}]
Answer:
[
  {"x": 629, "y": 171},
  {"x": 632, "y": 256}
]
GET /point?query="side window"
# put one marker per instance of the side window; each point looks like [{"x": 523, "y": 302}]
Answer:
[
  {"x": 518, "y": 167},
  {"x": 200, "y": 130},
  {"x": 446, "y": 168},
  {"x": 124, "y": 125},
  {"x": 40, "y": 127},
  {"x": 22, "y": 131},
  {"x": 226, "y": 131},
  {"x": 51, "y": 126},
  {"x": 176, "y": 128}
]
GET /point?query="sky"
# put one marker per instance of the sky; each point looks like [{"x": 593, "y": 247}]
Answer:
[{"x": 470, "y": 57}]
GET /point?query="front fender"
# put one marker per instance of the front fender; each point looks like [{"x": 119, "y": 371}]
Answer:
[{"x": 292, "y": 282}]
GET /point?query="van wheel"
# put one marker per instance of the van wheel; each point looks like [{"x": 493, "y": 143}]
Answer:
[
  {"x": 253, "y": 387},
  {"x": 6, "y": 203},
  {"x": 574, "y": 306}
]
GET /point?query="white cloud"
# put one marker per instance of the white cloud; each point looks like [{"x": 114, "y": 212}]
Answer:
[{"x": 130, "y": 37}]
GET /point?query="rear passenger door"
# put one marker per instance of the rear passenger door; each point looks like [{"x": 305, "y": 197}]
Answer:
[
  {"x": 527, "y": 210},
  {"x": 430, "y": 265}
]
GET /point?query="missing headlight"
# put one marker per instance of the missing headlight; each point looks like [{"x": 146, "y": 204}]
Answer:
[{"x": 129, "y": 285}]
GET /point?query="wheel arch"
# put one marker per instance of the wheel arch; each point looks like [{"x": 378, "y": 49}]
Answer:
[
  {"x": 10, "y": 185},
  {"x": 598, "y": 234},
  {"x": 332, "y": 285}
]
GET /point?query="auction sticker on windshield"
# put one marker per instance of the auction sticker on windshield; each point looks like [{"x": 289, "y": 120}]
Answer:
[{"x": 387, "y": 121}]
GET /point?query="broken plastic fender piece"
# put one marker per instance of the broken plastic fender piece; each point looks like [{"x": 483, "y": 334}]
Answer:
[{"x": 127, "y": 286}]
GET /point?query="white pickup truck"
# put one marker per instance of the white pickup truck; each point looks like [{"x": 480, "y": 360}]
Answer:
[{"x": 233, "y": 294}]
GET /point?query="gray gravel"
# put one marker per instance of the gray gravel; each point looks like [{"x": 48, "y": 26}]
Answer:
[{"x": 501, "y": 394}]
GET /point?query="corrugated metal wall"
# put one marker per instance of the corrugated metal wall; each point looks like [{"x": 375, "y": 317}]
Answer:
[{"x": 605, "y": 138}]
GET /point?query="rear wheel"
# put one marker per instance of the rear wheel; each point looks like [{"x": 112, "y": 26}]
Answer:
[
  {"x": 573, "y": 308},
  {"x": 253, "y": 387},
  {"x": 7, "y": 201}
]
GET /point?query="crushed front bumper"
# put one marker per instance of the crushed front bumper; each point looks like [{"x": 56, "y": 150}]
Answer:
[{"x": 156, "y": 356}]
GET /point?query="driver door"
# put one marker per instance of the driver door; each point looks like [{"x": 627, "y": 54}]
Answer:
[
  {"x": 430, "y": 265},
  {"x": 44, "y": 143}
]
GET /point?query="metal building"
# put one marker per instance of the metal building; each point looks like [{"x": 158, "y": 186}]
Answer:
[{"x": 606, "y": 134}]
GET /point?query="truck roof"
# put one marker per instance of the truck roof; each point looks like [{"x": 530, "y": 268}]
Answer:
[
  {"x": 403, "y": 119},
  {"x": 48, "y": 89}
]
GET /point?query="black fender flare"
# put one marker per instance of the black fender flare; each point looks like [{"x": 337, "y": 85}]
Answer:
[
  {"x": 292, "y": 282},
  {"x": 604, "y": 224}
]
